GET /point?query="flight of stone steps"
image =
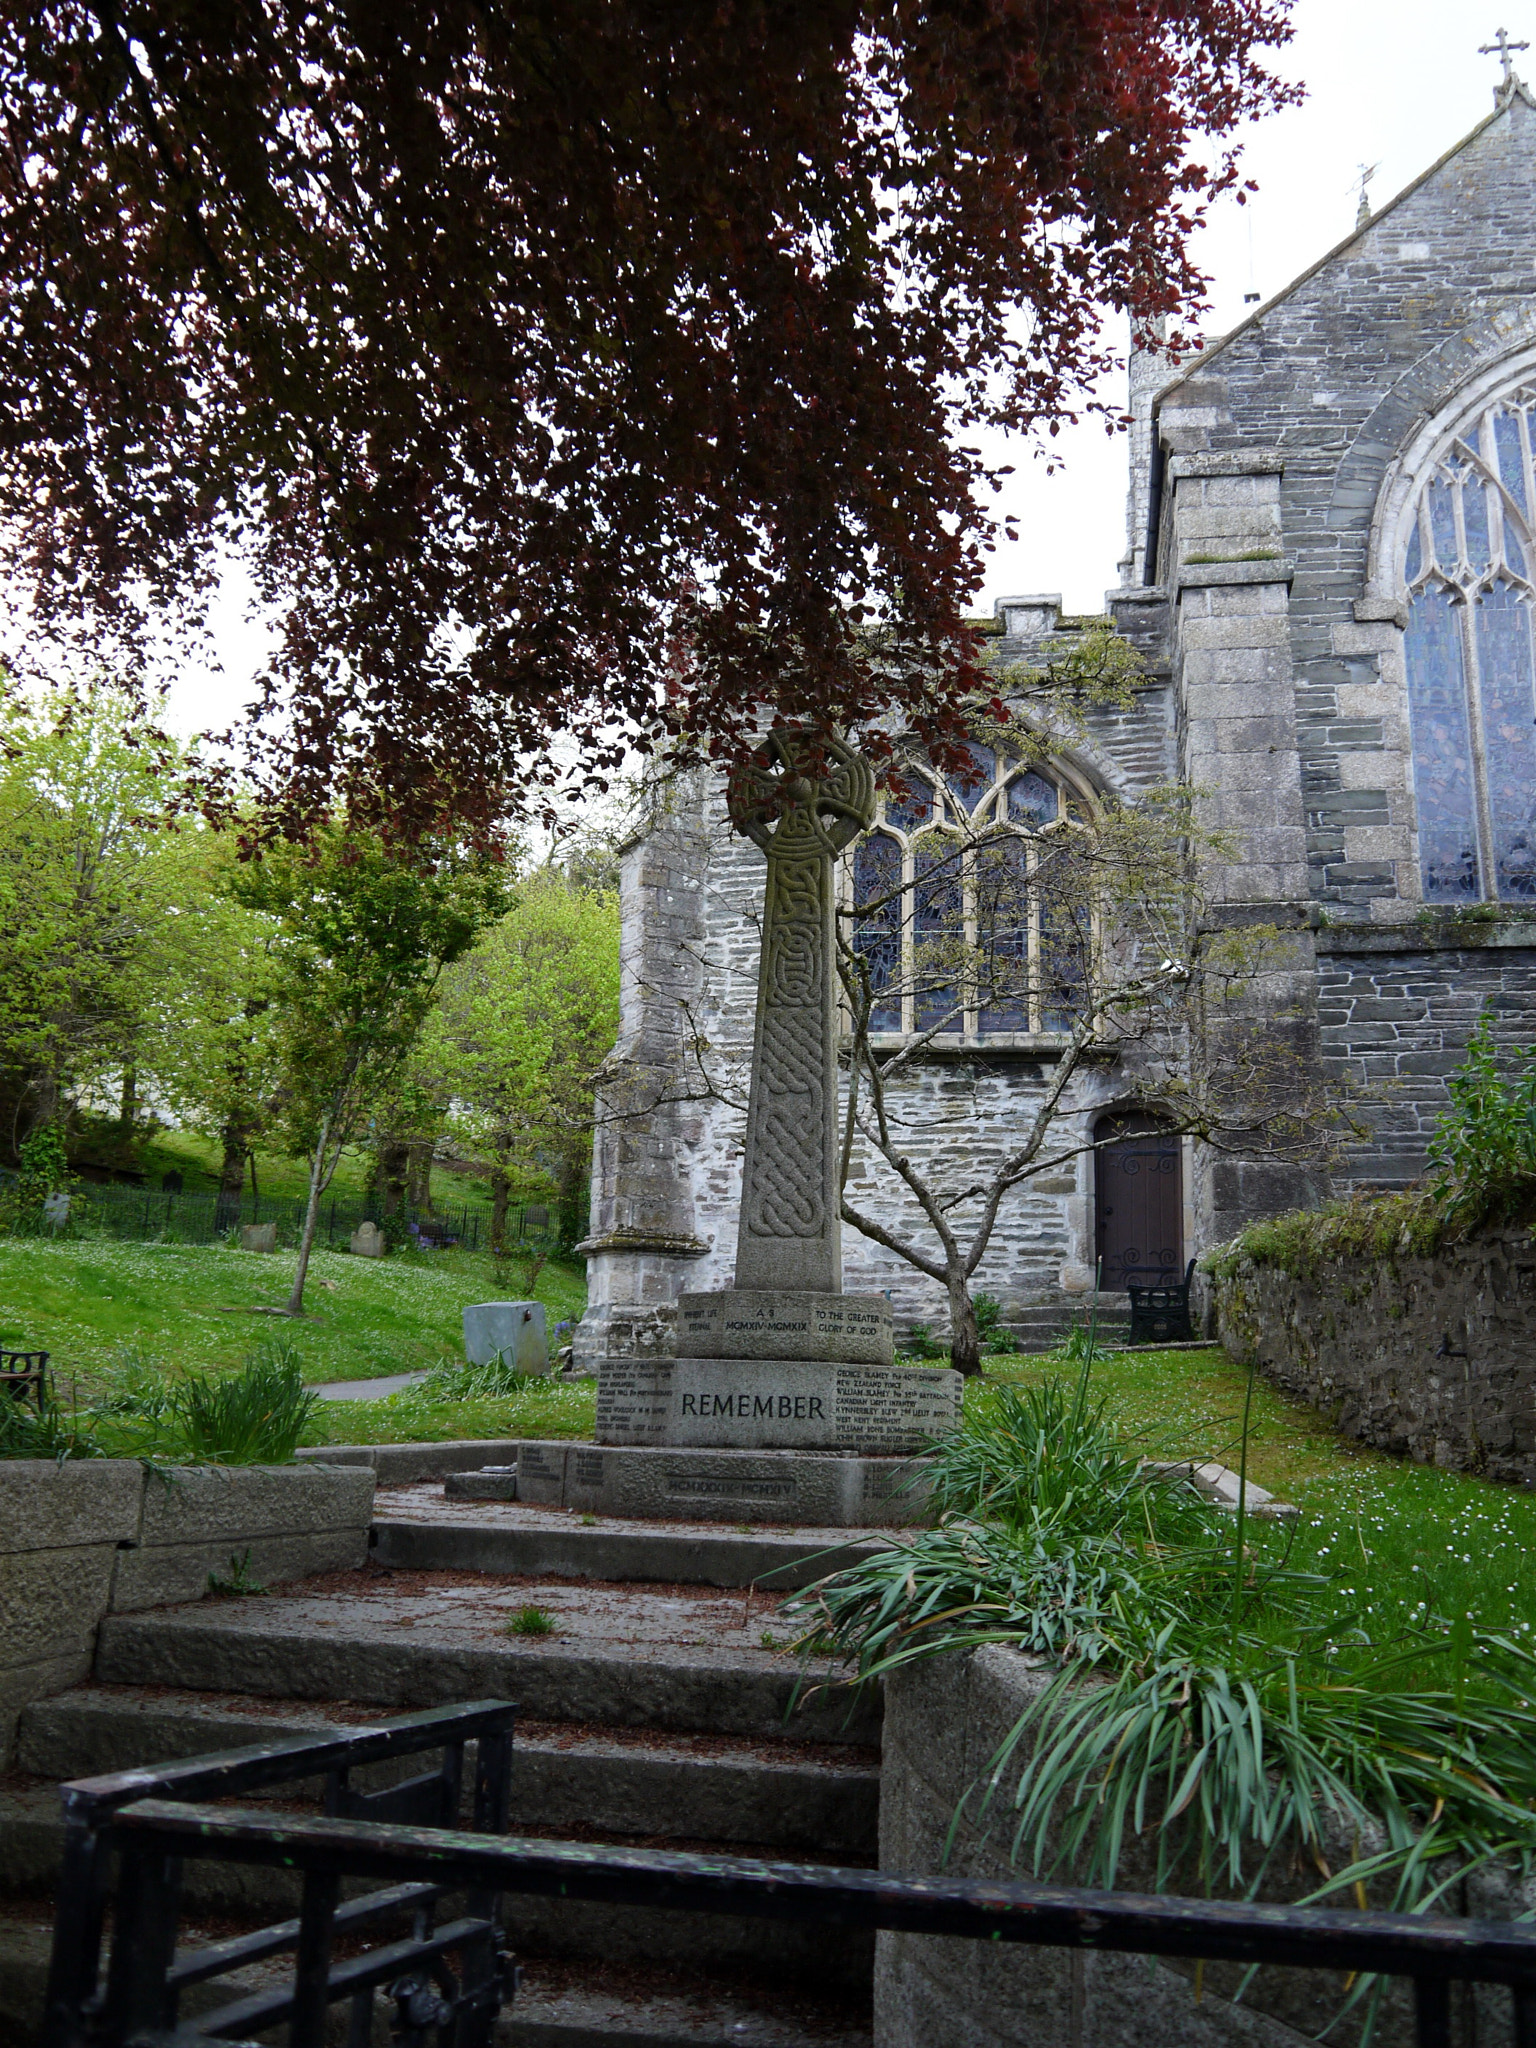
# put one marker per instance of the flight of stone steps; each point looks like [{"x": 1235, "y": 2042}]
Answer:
[{"x": 661, "y": 1711}]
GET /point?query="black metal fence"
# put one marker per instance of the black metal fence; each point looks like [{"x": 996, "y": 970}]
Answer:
[
  {"x": 138, "y": 1996},
  {"x": 154, "y": 1836},
  {"x": 164, "y": 1215}
]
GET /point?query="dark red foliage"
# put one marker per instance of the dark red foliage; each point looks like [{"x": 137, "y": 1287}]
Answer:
[{"x": 568, "y": 366}]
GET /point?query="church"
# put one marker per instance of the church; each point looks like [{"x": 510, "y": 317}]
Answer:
[{"x": 1328, "y": 577}]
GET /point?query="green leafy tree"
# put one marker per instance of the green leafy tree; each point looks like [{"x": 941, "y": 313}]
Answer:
[
  {"x": 87, "y": 887},
  {"x": 213, "y": 1045},
  {"x": 366, "y": 929},
  {"x": 523, "y": 1023}
]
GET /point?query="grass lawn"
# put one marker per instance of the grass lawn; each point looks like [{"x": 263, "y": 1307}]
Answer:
[
  {"x": 87, "y": 1302},
  {"x": 1404, "y": 1536}
]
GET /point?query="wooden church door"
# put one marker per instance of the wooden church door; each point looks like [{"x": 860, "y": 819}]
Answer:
[{"x": 1138, "y": 1202}]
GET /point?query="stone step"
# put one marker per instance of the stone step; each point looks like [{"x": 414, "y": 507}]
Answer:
[
  {"x": 418, "y": 1530},
  {"x": 567, "y": 1779},
  {"x": 628, "y": 1656}
]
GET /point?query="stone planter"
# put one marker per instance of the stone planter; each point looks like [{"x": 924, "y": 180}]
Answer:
[
  {"x": 944, "y": 1722},
  {"x": 1433, "y": 1359},
  {"x": 82, "y": 1540}
]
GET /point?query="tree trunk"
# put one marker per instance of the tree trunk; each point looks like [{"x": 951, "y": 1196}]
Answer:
[
  {"x": 501, "y": 1190},
  {"x": 964, "y": 1338},
  {"x": 128, "y": 1101},
  {"x": 573, "y": 1201},
  {"x": 226, "y": 1211},
  {"x": 421, "y": 1177},
  {"x": 393, "y": 1170},
  {"x": 317, "y": 1179}
]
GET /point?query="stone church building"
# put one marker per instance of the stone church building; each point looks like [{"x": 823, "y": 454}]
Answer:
[{"x": 1329, "y": 575}]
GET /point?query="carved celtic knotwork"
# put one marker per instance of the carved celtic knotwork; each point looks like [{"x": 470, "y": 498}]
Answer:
[
  {"x": 789, "y": 1210},
  {"x": 777, "y": 804}
]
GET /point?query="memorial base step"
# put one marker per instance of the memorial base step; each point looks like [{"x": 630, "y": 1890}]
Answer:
[{"x": 675, "y": 1482}]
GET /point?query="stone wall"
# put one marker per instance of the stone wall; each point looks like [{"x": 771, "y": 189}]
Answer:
[
  {"x": 944, "y": 1723},
  {"x": 1434, "y": 1359},
  {"x": 88, "y": 1538}
]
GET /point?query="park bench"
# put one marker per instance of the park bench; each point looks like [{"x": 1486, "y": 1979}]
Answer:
[
  {"x": 23, "y": 1373},
  {"x": 1160, "y": 1315}
]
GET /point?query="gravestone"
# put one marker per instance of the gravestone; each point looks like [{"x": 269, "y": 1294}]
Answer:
[
  {"x": 513, "y": 1330},
  {"x": 367, "y": 1241},
  {"x": 785, "y": 1360},
  {"x": 56, "y": 1208},
  {"x": 258, "y": 1237}
]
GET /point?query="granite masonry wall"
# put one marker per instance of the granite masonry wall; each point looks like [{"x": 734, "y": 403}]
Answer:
[
  {"x": 1432, "y": 1359},
  {"x": 93, "y": 1537},
  {"x": 945, "y": 1721}
]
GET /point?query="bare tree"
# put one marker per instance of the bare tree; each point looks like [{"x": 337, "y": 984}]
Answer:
[{"x": 1096, "y": 934}]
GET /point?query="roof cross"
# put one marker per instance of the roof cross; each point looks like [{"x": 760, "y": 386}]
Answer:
[{"x": 1502, "y": 48}]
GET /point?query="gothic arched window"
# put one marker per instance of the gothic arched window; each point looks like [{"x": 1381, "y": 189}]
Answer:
[
  {"x": 1470, "y": 570},
  {"x": 957, "y": 932}
]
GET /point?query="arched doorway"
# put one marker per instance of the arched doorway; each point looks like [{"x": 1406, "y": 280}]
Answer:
[{"x": 1138, "y": 1202}]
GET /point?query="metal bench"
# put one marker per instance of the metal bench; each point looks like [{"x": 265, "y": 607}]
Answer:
[
  {"x": 23, "y": 1373},
  {"x": 1160, "y": 1315}
]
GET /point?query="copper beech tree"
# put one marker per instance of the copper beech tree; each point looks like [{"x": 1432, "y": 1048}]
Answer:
[{"x": 600, "y": 367}]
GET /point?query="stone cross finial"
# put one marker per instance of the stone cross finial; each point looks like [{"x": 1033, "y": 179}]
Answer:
[
  {"x": 791, "y": 1234},
  {"x": 1502, "y": 48}
]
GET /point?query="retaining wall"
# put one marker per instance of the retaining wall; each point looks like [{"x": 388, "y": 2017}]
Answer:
[
  {"x": 944, "y": 1722},
  {"x": 1433, "y": 1359},
  {"x": 88, "y": 1538}
]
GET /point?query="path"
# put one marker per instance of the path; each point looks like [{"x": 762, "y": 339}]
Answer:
[{"x": 367, "y": 1390}]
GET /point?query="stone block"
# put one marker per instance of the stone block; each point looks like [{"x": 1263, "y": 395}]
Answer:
[
  {"x": 855, "y": 1328},
  {"x": 258, "y": 1237},
  {"x": 367, "y": 1241},
  {"x": 222, "y": 1504},
  {"x": 51, "y": 1602},
  {"x": 675, "y": 1483},
  {"x": 779, "y": 1404},
  {"x": 509, "y": 1330},
  {"x": 171, "y": 1572},
  {"x": 491, "y": 1482},
  {"x": 541, "y": 1473},
  {"x": 48, "y": 1506}
]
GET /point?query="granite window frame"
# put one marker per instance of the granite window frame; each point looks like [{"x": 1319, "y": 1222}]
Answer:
[
  {"x": 1467, "y": 554},
  {"x": 976, "y": 816}
]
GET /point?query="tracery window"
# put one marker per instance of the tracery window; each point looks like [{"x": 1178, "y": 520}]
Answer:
[
  {"x": 1470, "y": 570},
  {"x": 961, "y": 935}
]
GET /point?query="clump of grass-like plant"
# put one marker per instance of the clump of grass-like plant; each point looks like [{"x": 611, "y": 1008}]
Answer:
[
  {"x": 1208, "y": 1697},
  {"x": 490, "y": 1382},
  {"x": 253, "y": 1416}
]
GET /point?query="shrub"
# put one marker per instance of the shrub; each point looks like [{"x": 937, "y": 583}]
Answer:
[
  {"x": 989, "y": 1323},
  {"x": 1209, "y": 1696}
]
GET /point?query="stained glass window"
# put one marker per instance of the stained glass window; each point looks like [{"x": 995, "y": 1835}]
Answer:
[
  {"x": 1471, "y": 662},
  {"x": 954, "y": 936}
]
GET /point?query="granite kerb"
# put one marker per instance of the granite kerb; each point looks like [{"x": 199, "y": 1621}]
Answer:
[{"x": 945, "y": 1721}]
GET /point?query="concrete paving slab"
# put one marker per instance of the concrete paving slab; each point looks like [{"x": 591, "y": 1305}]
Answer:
[
  {"x": 419, "y": 1528},
  {"x": 664, "y": 1656}
]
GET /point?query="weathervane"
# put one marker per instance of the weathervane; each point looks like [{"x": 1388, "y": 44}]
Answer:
[
  {"x": 1502, "y": 48},
  {"x": 1363, "y": 210}
]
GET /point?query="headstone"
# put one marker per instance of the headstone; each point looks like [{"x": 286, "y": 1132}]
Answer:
[
  {"x": 785, "y": 1359},
  {"x": 258, "y": 1237},
  {"x": 367, "y": 1241},
  {"x": 171, "y": 1183},
  {"x": 512, "y": 1330},
  {"x": 56, "y": 1208},
  {"x": 535, "y": 1220}
]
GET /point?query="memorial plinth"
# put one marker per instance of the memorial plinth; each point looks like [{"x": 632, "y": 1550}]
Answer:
[{"x": 785, "y": 1361}]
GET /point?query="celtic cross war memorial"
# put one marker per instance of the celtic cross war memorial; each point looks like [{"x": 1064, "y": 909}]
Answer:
[{"x": 783, "y": 1401}]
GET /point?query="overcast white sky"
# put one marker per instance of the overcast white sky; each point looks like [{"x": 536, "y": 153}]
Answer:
[{"x": 1390, "y": 82}]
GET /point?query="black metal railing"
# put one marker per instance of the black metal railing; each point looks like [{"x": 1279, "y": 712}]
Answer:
[
  {"x": 156, "y": 1836},
  {"x": 103, "y": 1867}
]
